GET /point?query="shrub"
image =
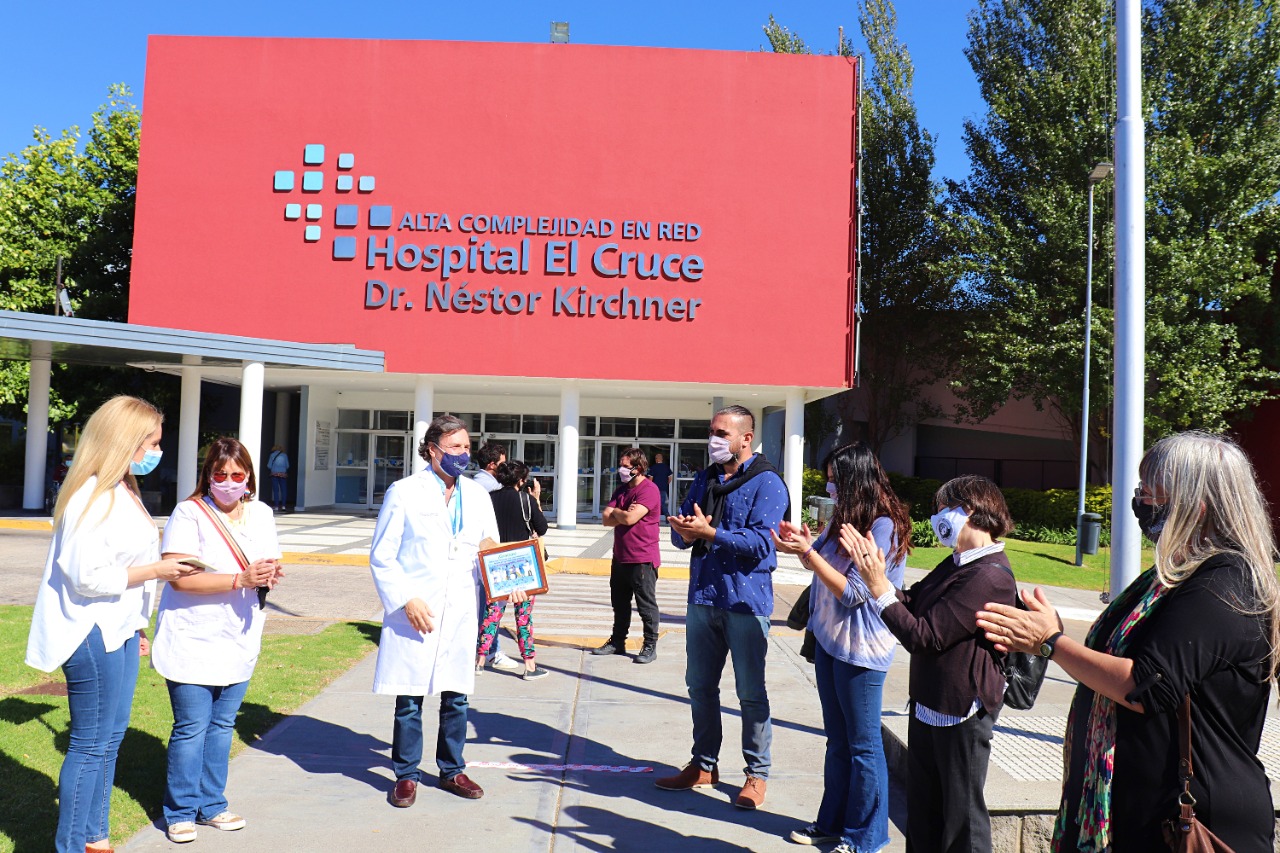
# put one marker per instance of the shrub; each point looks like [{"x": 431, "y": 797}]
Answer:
[
  {"x": 922, "y": 535},
  {"x": 917, "y": 493},
  {"x": 813, "y": 482}
]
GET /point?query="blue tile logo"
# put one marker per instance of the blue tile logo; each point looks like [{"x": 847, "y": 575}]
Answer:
[{"x": 311, "y": 180}]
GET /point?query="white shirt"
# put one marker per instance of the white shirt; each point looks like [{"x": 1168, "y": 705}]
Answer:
[
  {"x": 415, "y": 554},
  {"x": 86, "y": 576},
  {"x": 212, "y": 638}
]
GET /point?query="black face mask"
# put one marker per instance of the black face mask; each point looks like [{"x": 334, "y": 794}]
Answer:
[{"x": 1151, "y": 517}]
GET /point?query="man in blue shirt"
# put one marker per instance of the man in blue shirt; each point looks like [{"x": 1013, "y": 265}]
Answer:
[{"x": 727, "y": 518}]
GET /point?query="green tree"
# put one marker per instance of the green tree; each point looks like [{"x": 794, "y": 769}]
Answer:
[
  {"x": 907, "y": 315},
  {"x": 62, "y": 199},
  {"x": 1045, "y": 70}
]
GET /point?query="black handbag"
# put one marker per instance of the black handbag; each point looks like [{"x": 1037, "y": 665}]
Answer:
[
  {"x": 1023, "y": 674},
  {"x": 1184, "y": 833}
]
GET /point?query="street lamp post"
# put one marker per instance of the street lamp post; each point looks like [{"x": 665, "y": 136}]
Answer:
[{"x": 1099, "y": 173}]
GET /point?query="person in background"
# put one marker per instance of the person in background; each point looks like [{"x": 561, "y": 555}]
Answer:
[
  {"x": 519, "y": 515},
  {"x": 425, "y": 565},
  {"x": 490, "y": 455},
  {"x": 209, "y": 632},
  {"x": 956, "y": 682},
  {"x": 728, "y": 518},
  {"x": 93, "y": 605},
  {"x": 854, "y": 648},
  {"x": 1203, "y": 623},
  {"x": 660, "y": 473},
  {"x": 633, "y": 513},
  {"x": 278, "y": 466}
]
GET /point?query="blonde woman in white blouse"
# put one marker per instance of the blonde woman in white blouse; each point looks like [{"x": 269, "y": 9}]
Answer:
[
  {"x": 93, "y": 604},
  {"x": 209, "y": 632}
]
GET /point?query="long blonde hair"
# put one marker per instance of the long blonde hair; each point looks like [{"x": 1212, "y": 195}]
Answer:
[
  {"x": 1215, "y": 507},
  {"x": 110, "y": 439}
]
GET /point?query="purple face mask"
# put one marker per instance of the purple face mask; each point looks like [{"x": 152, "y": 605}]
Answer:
[
  {"x": 229, "y": 491},
  {"x": 624, "y": 474}
]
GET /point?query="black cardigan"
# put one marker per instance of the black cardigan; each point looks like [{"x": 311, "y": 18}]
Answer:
[
  {"x": 1196, "y": 638},
  {"x": 507, "y": 507},
  {"x": 952, "y": 663}
]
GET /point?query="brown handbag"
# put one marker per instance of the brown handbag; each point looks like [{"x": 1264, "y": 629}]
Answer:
[{"x": 1186, "y": 834}]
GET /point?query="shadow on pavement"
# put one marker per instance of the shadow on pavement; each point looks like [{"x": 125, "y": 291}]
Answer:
[
  {"x": 605, "y": 831},
  {"x": 344, "y": 751}
]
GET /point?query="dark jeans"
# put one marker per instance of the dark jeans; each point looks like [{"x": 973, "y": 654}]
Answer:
[
  {"x": 711, "y": 636},
  {"x": 640, "y": 580},
  {"x": 100, "y": 688},
  {"x": 946, "y": 774},
  {"x": 855, "y": 793},
  {"x": 279, "y": 490},
  {"x": 406, "y": 736}
]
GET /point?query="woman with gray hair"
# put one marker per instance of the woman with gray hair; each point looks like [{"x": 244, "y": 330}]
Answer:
[{"x": 1200, "y": 625}]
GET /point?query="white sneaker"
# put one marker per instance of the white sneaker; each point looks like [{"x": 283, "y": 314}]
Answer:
[
  {"x": 181, "y": 832},
  {"x": 501, "y": 661},
  {"x": 224, "y": 820}
]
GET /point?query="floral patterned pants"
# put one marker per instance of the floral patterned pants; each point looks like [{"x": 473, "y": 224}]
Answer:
[{"x": 524, "y": 628}]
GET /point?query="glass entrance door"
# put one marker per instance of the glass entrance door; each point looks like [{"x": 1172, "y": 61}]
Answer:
[
  {"x": 368, "y": 462},
  {"x": 388, "y": 463}
]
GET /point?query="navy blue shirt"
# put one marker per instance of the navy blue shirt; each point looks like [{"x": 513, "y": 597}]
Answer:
[{"x": 735, "y": 570}]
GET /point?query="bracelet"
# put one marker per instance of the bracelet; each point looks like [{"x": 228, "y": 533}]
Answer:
[{"x": 806, "y": 553}]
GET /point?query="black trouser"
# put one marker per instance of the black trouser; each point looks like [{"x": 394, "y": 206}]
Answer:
[
  {"x": 641, "y": 580},
  {"x": 946, "y": 774}
]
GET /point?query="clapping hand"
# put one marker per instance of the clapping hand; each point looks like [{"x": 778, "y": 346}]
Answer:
[
  {"x": 793, "y": 538},
  {"x": 867, "y": 557},
  {"x": 691, "y": 527}
]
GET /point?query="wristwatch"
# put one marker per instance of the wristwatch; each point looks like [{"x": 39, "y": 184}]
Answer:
[{"x": 1046, "y": 648}]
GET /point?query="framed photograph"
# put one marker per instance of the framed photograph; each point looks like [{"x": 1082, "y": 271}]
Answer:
[{"x": 513, "y": 566}]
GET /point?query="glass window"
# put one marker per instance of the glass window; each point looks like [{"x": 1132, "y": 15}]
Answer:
[
  {"x": 619, "y": 427},
  {"x": 402, "y": 421},
  {"x": 540, "y": 456},
  {"x": 502, "y": 423},
  {"x": 353, "y": 419},
  {"x": 587, "y": 426},
  {"x": 693, "y": 458},
  {"x": 658, "y": 427},
  {"x": 353, "y": 449},
  {"x": 541, "y": 424},
  {"x": 694, "y": 429}
]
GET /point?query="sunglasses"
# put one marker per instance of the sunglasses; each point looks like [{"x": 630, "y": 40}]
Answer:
[{"x": 221, "y": 477}]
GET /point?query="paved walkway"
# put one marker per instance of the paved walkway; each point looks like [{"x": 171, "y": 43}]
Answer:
[{"x": 567, "y": 762}]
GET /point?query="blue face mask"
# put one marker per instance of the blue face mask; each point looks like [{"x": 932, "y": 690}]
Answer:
[
  {"x": 150, "y": 459},
  {"x": 453, "y": 465}
]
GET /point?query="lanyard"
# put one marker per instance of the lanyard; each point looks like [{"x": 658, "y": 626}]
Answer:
[{"x": 455, "y": 509}]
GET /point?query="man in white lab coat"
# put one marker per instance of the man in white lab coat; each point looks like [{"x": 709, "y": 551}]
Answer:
[{"x": 425, "y": 568}]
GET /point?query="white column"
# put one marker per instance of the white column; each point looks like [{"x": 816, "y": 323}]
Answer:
[
  {"x": 567, "y": 458},
  {"x": 1130, "y": 320},
  {"x": 189, "y": 431},
  {"x": 282, "y": 419},
  {"x": 37, "y": 426},
  {"x": 251, "y": 378},
  {"x": 423, "y": 403},
  {"x": 793, "y": 464}
]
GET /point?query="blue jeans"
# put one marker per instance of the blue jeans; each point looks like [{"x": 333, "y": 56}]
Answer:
[
  {"x": 712, "y": 634},
  {"x": 204, "y": 720},
  {"x": 279, "y": 490},
  {"x": 406, "y": 736},
  {"x": 100, "y": 688},
  {"x": 855, "y": 795}
]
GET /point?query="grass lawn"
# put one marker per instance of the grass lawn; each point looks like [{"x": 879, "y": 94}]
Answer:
[
  {"x": 33, "y": 727},
  {"x": 1040, "y": 563}
]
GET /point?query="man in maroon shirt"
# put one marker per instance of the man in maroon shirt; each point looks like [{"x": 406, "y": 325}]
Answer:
[{"x": 633, "y": 513}]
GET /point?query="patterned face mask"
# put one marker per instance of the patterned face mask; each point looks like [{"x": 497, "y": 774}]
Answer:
[{"x": 947, "y": 525}]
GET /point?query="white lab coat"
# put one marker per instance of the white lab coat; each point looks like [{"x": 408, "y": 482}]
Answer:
[{"x": 410, "y": 558}]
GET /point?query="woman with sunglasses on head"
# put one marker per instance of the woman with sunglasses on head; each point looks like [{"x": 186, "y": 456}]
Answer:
[
  {"x": 854, "y": 649},
  {"x": 93, "y": 604},
  {"x": 209, "y": 631},
  {"x": 1201, "y": 623}
]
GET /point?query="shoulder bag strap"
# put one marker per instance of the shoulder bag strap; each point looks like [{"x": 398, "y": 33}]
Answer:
[
  {"x": 220, "y": 526},
  {"x": 526, "y": 512},
  {"x": 1185, "y": 769}
]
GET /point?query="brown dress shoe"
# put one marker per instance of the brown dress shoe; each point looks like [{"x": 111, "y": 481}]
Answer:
[
  {"x": 462, "y": 786},
  {"x": 404, "y": 793},
  {"x": 692, "y": 776},
  {"x": 752, "y": 794}
]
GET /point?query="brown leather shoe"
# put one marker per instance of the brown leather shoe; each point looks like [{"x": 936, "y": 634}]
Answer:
[
  {"x": 462, "y": 786},
  {"x": 752, "y": 794},
  {"x": 404, "y": 794},
  {"x": 692, "y": 776}
]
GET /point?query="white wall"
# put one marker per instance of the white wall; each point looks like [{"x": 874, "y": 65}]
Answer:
[{"x": 320, "y": 404}]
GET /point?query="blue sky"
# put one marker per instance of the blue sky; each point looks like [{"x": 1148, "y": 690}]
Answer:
[{"x": 60, "y": 59}]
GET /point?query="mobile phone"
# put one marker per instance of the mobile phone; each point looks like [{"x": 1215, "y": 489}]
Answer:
[{"x": 197, "y": 564}]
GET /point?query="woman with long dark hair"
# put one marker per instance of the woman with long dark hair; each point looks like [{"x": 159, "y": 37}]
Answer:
[{"x": 854, "y": 648}]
